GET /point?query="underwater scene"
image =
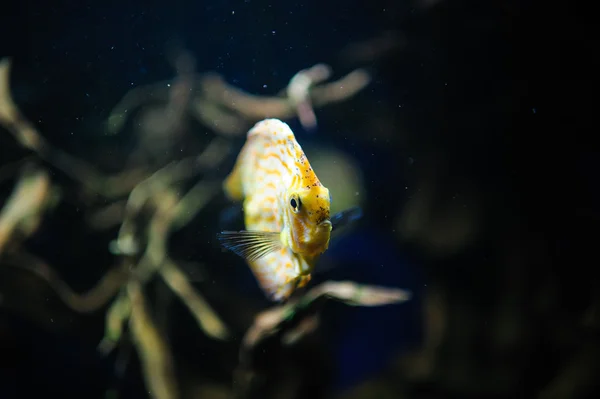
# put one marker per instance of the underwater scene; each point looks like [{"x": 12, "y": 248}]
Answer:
[{"x": 298, "y": 199}]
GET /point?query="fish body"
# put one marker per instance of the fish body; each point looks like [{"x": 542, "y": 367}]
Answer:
[{"x": 286, "y": 210}]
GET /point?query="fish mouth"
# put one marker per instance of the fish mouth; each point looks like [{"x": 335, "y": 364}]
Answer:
[{"x": 326, "y": 224}]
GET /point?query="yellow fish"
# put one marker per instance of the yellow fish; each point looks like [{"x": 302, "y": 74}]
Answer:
[{"x": 286, "y": 210}]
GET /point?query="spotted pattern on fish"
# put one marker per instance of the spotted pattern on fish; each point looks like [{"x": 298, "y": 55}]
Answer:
[{"x": 272, "y": 173}]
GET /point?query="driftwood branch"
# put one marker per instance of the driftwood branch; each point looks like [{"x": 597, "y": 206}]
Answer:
[{"x": 287, "y": 324}]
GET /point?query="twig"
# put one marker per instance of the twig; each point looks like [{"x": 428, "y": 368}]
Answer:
[
  {"x": 156, "y": 259},
  {"x": 228, "y": 110},
  {"x": 206, "y": 317},
  {"x": 253, "y": 107},
  {"x": 288, "y": 316},
  {"x": 298, "y": 92},
  {"x": 288, "y": 323},
  {"x": 22, "y": 213},
  {"x": 156, "y": 185},
  {"x": 116, "y": 316},
  {"x": 87, "y": 302},
  {"x": 172, "y": 213},
  {"x": 28, "y": 136},
  {"x": 155, "y": 355}
]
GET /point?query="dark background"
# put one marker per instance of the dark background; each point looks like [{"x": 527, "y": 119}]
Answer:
[{"x": 492, "y": 101}]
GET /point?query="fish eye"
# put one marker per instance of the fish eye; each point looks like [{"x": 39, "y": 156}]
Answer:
[{"x": 295, "y": 204}]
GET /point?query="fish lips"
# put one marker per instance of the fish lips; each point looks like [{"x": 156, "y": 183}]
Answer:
[{"x": 325, "y": 224}]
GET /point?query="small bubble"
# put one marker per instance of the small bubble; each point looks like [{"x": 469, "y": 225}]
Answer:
[{"x": 264, "y": 86}]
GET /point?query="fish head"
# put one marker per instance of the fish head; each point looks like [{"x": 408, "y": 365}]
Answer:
[{"x": 309, "y": 221}]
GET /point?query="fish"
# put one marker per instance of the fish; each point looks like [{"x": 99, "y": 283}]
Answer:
[{"x": 286, "y": 210}]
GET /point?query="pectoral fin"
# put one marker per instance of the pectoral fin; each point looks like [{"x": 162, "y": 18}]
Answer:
[
  {"x": 345, "y": 217},
  {"x": 250, "y": 245}
]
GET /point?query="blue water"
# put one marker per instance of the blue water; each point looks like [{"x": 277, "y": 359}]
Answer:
[{"x": 365, "y": 339}]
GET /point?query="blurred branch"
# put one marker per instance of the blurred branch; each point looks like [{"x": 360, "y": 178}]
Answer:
[
  {"x": 288, "y": 316},
  {"x": 28, "y": 136},
  {"x": 133, "y": 99},
  {"x": 288, "y": 323},
  {"x": 228, "y": 110},
  {"x": 154, "y": 351},
  {"x": 253, "y": 107},
  {"x": 298, "y": 92},
  {"x": 117, "y": 314},
  {"x": 90, "y": 301},
  {"x": 207, "y": 319},
  {"x": 170, "y": 212},
  {"x": 154, "y": 188},
  {"x": 355, "y": 294},
  {"x": 22, "y": 213},
  {"x": 156, "y": 358}
]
